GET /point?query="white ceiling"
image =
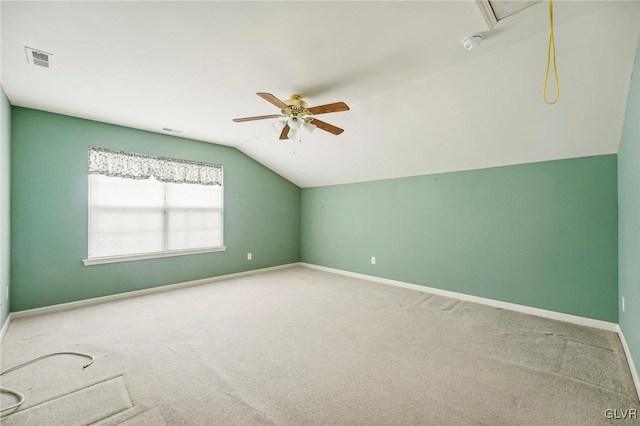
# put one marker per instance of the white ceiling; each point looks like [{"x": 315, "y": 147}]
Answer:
[{"x": 419, "y": 102}]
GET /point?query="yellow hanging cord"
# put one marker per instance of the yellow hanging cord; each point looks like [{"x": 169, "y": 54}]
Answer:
[{"x": 552, "y": 46}]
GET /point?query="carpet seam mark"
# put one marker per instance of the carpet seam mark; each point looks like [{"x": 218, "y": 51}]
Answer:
[
  {"x": 586, "y": 344},
  {"x": 551, "y": 373},
  {"x": 234, "y": 394},
  {"x": 63, "y": 395},
  {"x": 424, "y": 299},
  {"x": 110, "y": 416},
  {"x": 232, "y": 390}
]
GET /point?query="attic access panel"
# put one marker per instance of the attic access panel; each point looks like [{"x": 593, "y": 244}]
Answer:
[{"x": 503, "y": 9}]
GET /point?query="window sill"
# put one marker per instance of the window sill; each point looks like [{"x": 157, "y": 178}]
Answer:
[{"x": 142, "y": 256}]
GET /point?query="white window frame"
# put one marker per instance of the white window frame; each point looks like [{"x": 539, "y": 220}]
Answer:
[{"x": 151, "y": 255}]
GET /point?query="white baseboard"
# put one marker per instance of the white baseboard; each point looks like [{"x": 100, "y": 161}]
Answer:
[
  {"x": 574, "y": 319},
  {"x": 119, "y": 296},
  {"x": 5, "y": 327},
  {"x": 632, "y": 365}
]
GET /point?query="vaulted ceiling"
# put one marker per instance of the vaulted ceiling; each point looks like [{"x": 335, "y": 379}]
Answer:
[{"x": 420, "y": 103}]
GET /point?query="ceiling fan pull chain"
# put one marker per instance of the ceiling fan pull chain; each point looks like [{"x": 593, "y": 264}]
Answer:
[{"x": 552, "y": 46}]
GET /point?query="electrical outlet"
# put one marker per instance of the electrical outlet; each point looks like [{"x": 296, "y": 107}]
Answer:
[
  {"x": 622, "y": 303},
  {"x": 6, "y": 293},
  {"x": 249, "y": 256},
  {"x": 373, "y": 260}
]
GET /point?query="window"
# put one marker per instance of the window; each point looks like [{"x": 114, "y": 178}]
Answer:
[{"x": 141, "y": 207}]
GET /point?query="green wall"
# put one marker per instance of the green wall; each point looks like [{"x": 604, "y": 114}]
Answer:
[
  {"x": 49, "y": 212},
  {"x": 541, "y": 234},
  {"x": 629, "y": 217},
  {"x": 5, "y": 183}
]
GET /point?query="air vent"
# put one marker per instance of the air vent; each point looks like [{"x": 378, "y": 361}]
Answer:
[
  {"x": 39, "y": 58},
  {"x": 168, "y": 130}
]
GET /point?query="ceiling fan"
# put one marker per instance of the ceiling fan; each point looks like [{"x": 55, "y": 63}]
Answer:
[{"x": 296, "y": 114}]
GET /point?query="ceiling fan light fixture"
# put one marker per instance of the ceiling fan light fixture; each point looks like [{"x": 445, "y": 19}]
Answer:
[
  {"x": 294, "y": 135},
  {"x": 309, "y": 127},
  {"x": 294, "y": 122},
  {"x": 294, "y": 114}
]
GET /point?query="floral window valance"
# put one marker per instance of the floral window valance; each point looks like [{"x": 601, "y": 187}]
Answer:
[{"x": 137, "y": 166}]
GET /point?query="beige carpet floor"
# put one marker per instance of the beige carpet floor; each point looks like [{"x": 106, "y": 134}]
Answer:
[{"x": 305, "y": 347}]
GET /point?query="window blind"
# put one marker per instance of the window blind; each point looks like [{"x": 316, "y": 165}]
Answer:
[{"x": 131, "y": 211}]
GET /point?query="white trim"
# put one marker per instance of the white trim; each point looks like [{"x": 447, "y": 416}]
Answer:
[
  {"x": 487, "y": 13},
  {"x": 574, "y": 319},
  {"x": 142, "y": 256},
  {"x": 5, "y": 327},
  {"x": 162, "y": 288},
  {"x": 632, "y": 365}
]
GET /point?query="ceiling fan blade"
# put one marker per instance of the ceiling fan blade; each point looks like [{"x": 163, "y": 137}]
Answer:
[
  {"x": 285, "y": 132},
  {"x": 258, "y": 117},
  {"x": 270, "y": 98},
  {"x": 323, "y": 109},
  {"x": 326, "y": 126}
]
